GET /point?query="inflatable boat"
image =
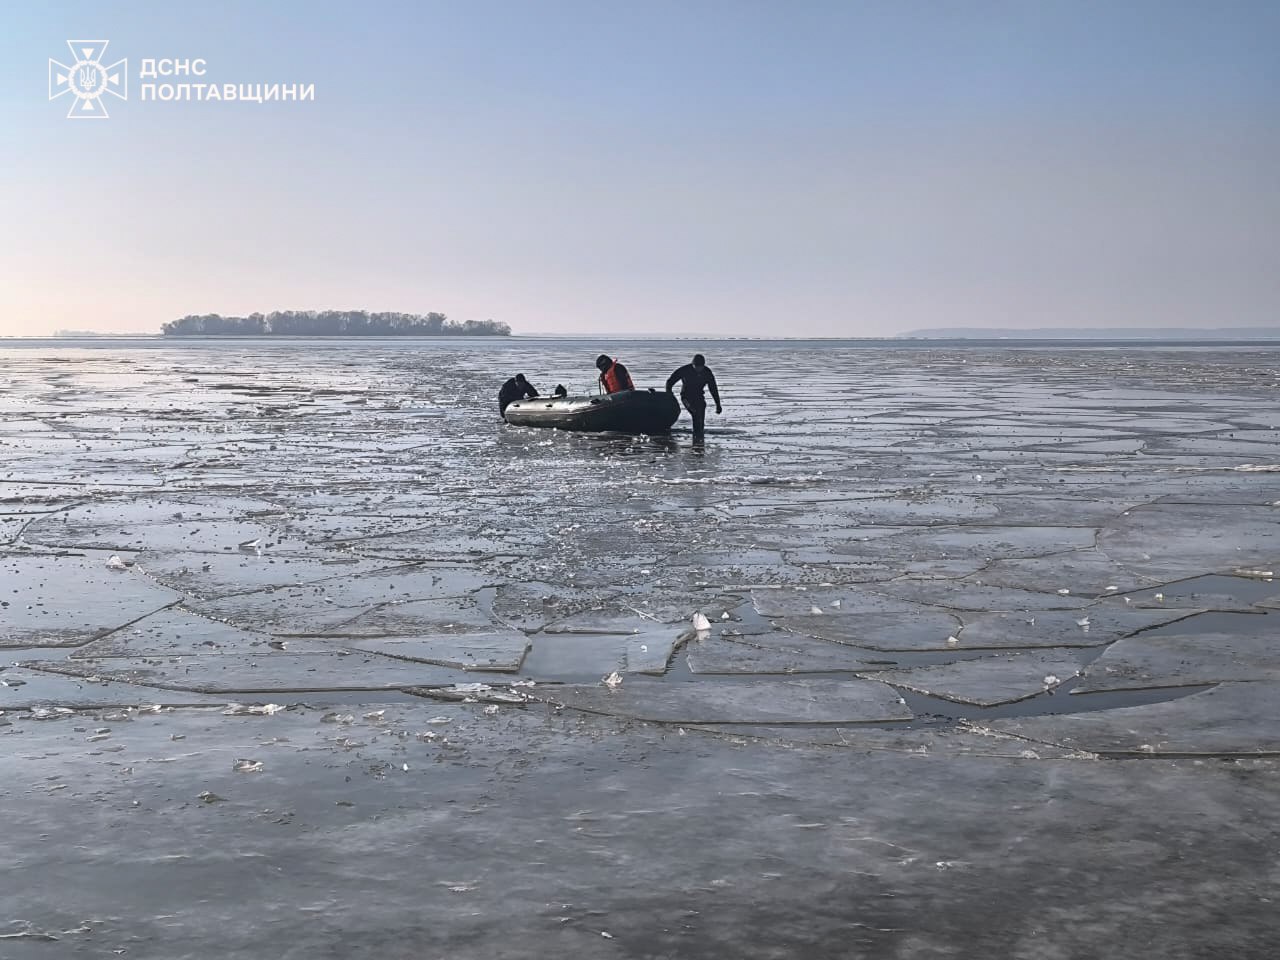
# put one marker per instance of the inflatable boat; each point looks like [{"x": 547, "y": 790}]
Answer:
[{"x": 631, "y": 411}]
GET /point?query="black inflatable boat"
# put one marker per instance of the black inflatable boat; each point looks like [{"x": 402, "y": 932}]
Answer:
[{"x": 631, "y": 411}]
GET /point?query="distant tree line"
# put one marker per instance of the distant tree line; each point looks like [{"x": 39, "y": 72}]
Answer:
[{"x": 331, "y": 323}]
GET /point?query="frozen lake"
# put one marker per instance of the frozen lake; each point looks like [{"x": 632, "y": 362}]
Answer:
[
  {"x": 1022, "y": 556},
  {"x": 960, "y": 522}
]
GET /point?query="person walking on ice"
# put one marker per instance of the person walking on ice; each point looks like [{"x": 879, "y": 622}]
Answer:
[{"x": 694, "y": 378}]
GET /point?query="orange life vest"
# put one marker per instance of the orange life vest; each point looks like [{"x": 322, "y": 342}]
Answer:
[{"x": 616, "y": 380}]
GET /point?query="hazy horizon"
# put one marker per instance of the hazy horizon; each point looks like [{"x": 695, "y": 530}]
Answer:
[{"x": 725, "y": 169}]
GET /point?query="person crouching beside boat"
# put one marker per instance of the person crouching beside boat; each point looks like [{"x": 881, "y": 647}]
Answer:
[
  {"x": 694, "y": 378},
  {"x": 517, "y": 388},
  {"x": 613, "y": 375}
]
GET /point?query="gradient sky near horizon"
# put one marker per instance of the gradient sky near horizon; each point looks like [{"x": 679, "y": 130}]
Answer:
[{"x": 855, "y": 168}]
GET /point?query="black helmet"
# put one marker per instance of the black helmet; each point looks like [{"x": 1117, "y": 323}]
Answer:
[
  {"x": 603, "y": 362},
  {"x": 699, "y": 360},
  {"x": 519, "y": 378}
]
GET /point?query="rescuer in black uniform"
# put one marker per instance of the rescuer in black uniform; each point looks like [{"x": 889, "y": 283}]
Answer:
[
  {"x": 694, "y": 378},
  {"x": 517, "y": 388}
]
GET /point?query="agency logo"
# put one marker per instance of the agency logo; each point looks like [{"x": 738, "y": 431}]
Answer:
[{"x": 87, "y": 79}]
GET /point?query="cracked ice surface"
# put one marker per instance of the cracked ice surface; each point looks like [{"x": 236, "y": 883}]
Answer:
[
  {"x": 68, "y": 601},
  {"x": 775, "y": 653},
  {"x": 781, "y": 701},
  {"x": 1147, "y": 661},
  {"x": 345, "y": 533},
  {"x": 499, "y": 652},
  {"x": 986, "y": 681},
  {"x": 542, "y": 837},
  {"x": 1230, "y": 719},
  {"x": 262, "y": 673},
  {"x": 290, "y": 519}
]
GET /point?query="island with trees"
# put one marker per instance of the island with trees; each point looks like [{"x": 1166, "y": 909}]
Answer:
[{"x": 331, "y": 323}]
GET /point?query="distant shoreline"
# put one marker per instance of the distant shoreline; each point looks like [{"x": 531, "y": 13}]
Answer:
[
  {"x": 1090, "y": 333},
  {"x": 905, "y": 343}
]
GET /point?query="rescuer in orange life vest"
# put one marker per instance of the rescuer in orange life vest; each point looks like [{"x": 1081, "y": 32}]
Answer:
[{"x": 613, "y": 375}]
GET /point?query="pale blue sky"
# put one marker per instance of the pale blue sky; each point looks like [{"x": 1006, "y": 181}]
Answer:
[{"x": 855, "y": 168}]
